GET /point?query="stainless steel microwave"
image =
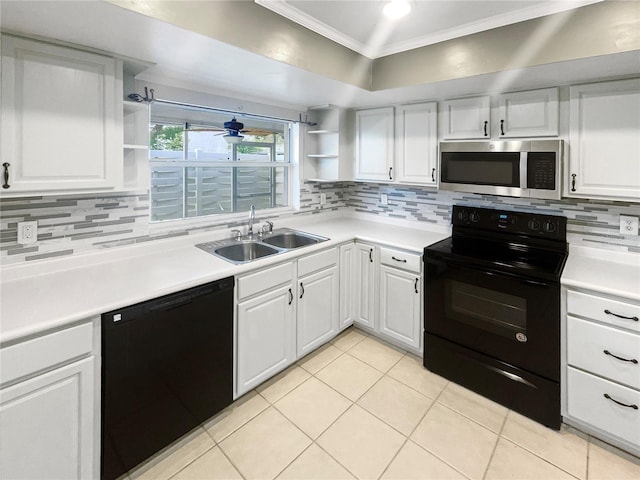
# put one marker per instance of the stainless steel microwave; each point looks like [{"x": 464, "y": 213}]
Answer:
[{"x": 528, "y": 168}]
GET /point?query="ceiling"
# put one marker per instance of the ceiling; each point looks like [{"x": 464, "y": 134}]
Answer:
[
  {"x": 361, "y": 26},
  {"x": 168, "y": 54}
]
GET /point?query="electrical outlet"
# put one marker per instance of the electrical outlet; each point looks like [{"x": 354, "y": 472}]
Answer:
[
  {"x": 384, "y": 199},
  {"x": 628, "y": 225},
  {"x": 323, "y": 198},
  {"x": 27, "y": 233}
]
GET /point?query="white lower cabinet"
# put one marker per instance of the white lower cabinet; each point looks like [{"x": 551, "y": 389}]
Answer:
[
  {"x": 400, "y": 305},
  {"x": 401, "y": 297},
  {"x": 364, "y": 286},
  {"x": 47, "y": 420},
  {"x": 284, "y": 312},
  {"x": 347, "y": 272},
  {"x": 318, "y": 298},
  {"x": 265, "y": 333},
  {"x": 602, "y": 367},
  {"x": 384, "y": 293}
]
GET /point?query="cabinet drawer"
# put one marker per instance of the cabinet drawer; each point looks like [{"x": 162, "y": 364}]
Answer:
[
  {"x": 587, "y": 342},
  {"x": 400, "y": 259},
  {"x": 604, "y": 310},
  {"x": 317, "y": 261},
  {"x": 31, "y": 356},
  {"x": 587, "y": 402},
  {"x": 257, "y": 282}
]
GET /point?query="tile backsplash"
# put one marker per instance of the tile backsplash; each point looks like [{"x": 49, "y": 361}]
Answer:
[{"x": 80, "y": 223}]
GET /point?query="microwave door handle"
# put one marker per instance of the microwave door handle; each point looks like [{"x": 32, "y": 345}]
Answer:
[{"x": 523, "y": 170}]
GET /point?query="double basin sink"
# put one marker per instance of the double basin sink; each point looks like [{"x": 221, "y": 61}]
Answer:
[{"x": 244, "y": 250}]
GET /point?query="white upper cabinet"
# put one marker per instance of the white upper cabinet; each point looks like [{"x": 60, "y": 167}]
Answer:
[
  {"x": 417, "y": 143},
  {"x": 466, "y": 118},
  {"x": 528, "y": 114},
  {"x": 374, "y": 144},
  {"x": 604, "y": 159},
  {"x": 62, "y": 119}
]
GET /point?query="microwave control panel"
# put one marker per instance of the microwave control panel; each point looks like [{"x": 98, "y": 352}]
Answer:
[{"x": 541, "y": 170}]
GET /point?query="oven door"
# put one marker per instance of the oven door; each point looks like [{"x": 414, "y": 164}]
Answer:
[{"x": 512, "y": 319}]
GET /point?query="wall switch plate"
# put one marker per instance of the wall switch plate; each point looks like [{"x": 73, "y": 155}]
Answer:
[
  {"x": 27, "y": 232},
  {"x": 628, "y": 225},
  {"x": 384, "y": 199},
  {"x": 323, "y": 198}
]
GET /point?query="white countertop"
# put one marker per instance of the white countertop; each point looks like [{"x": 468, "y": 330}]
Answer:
[
  {"x": 50, "y": 294},
  {"x": 604, "y": 271}
]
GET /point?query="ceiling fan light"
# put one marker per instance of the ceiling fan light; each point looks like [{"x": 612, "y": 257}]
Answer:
[
  {"x": 233, "y": 138},
  {"x": 396, "y": 9}
]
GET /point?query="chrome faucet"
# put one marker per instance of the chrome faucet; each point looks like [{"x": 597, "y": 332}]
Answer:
[{"x": 252, "y": 217}]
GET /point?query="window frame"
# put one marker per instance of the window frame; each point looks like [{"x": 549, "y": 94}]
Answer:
[{"x": 290, "y": 165}]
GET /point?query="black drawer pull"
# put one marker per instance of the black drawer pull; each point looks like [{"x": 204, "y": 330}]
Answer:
[
  {"x": 371, "y": 255},
  {"x": 630, "y": 360},
  {"x": 290, "y": 296},
  {"x": 433, "y": 174},
  {"x": 415, "y": 285},
  {"x": 635, "y": 319},
  {"x": 390, "y": 170},
  {"x": 633, "y": 405},
  {"x": 399, "y": 259},
  {"x": 6, "y": 175},
  {"x": 486, "y": 134},
  {"x": 501, "y": 127},
  {"x": 573, "y": 182},
  {"x": 302, "y": 288}
]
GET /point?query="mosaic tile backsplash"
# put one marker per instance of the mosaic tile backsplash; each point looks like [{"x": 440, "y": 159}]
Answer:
[{"x": 74, "y": 224}]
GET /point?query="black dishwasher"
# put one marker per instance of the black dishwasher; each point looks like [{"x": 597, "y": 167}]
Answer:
[{"x": 167, "y": 366}]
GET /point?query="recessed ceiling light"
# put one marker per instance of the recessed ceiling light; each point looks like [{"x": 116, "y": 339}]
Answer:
[{"x": 396, "y": 9}]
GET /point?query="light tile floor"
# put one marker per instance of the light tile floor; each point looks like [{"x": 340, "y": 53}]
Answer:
[{"x": 358, "y": 408}]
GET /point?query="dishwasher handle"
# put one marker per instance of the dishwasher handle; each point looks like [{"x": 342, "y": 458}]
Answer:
[{"x": 168, "y": 302}]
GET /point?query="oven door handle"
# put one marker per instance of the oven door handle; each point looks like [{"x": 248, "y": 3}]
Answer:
[{"x": 451, "y": 263}]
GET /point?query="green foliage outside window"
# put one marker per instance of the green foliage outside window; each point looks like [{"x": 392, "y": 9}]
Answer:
[{"x": 167, "y": 137}]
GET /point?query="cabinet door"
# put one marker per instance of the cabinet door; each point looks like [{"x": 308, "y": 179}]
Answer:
[
  {"x": 400, "y": 305},
  {"x": 417, "y": 138},
  {"x": 318, "y": 297},
  {"x": 466, "y": 118},
  {"x": 347, "y": 278},
  {"x": 364, "y": 283},
  {"x": 605, "y": 140},
  {"x": 374, "y": 144},
  {"x": 529, "y": 114},
  {"x": 265, "y": 336},
  {"x": 46, "y": 425},
  {"x": 62, "y": 118}
]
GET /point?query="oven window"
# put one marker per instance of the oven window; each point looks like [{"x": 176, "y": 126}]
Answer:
[
  {"x": 489, "y": 310},
  {"x": 497, "y": 168}
]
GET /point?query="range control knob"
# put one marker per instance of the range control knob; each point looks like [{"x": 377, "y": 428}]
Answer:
[
  {"x": 534, "y": 224},
  {"x": 463, "y": 216},
  {"x": 474, "y": 217},
  {"x": 549, "y": 226}
]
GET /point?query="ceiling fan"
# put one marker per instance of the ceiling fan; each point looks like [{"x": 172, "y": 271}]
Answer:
[{"x": 232, "y": 131}]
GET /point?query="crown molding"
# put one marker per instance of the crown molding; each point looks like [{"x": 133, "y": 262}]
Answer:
[{"x": 283, "y": 8}]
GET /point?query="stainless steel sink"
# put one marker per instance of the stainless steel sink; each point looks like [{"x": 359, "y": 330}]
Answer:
[
  {"x": 245, "y": 251},
  {"x": 291, "y": 239}
]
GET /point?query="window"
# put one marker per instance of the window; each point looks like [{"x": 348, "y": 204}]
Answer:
[{"x": 195, "y": 172}]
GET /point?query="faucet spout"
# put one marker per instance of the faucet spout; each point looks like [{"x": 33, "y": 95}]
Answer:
[{"x": 252, "y": 217}]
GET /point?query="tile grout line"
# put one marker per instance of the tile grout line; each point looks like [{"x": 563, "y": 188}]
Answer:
[{"x": 495, "y": 446}]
